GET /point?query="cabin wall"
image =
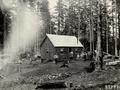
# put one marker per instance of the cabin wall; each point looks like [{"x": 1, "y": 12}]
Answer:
[
  {"x": 47, "y": 50},
  {"x": 66, "y": 52}
]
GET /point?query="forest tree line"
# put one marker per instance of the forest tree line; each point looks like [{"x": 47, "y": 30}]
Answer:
[
  {"x": 88, "y": 20},
  {"x": 85, "y": 19}
]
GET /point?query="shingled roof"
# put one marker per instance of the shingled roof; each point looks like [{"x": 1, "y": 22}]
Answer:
[{"x": 64, "y": 41}]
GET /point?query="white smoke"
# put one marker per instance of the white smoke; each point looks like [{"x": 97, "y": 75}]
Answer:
[{"x": 26, "y": 27}]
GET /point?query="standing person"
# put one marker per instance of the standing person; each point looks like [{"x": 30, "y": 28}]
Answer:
[
  {"x": 94, "y": 55},
  {"x": 61, "y": 55},
  {"x": 78, "y": 56},
  {"x": 65, "y": 64},
  {"x": 92, "y": 66},
  {"x": 101, "y": 59},
  {"x": 71, "y": 56},
  {"x": 85, "y": 56},
  {"x": 91, "y": 56},
  {"x": 56, "y": 58}
]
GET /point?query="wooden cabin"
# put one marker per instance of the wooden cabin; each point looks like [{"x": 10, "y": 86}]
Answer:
[{"x": 61, "y": 45}]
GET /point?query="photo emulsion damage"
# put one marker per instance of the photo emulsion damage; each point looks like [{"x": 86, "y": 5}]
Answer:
[{"x": 59, "y": 45}]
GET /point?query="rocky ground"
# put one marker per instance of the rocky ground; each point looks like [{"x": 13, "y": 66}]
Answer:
[{"x": 29, "y": 75}]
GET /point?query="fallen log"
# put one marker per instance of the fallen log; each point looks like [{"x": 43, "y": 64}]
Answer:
[
  {"x": 95, "y": 85},
  {"x": 54, "y": 84}
]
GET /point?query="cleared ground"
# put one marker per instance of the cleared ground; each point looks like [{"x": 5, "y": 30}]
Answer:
[{"x": 28, "y": 75}]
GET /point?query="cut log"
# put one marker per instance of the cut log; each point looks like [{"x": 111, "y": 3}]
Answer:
[{"x": 55, "y": 84}]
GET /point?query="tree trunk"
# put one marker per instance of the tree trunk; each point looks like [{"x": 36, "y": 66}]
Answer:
[
  {"x": 118, "y": 5},
  {"x": 119, "y": 31},
  {"x": 91, "y": 28},
  {"x": 113, "y": 27},
  {"x": 79, "y": 22},
  {"x": 107, "y": 33},
  {"x": 59, "y": 14},
  {"x": 116, "y": 53},
  {"x": 98, "y": 54}
]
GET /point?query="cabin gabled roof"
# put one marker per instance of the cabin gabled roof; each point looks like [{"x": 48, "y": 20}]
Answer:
[{"x": 63, "y": 40}]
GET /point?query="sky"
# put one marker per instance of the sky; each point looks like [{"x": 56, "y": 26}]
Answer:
[
  {"x": 52, "y": 4},
  {"x": 8, "y": 3}
]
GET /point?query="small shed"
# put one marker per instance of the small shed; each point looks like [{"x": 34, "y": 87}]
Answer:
[{"x": 61, "y": 45}]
